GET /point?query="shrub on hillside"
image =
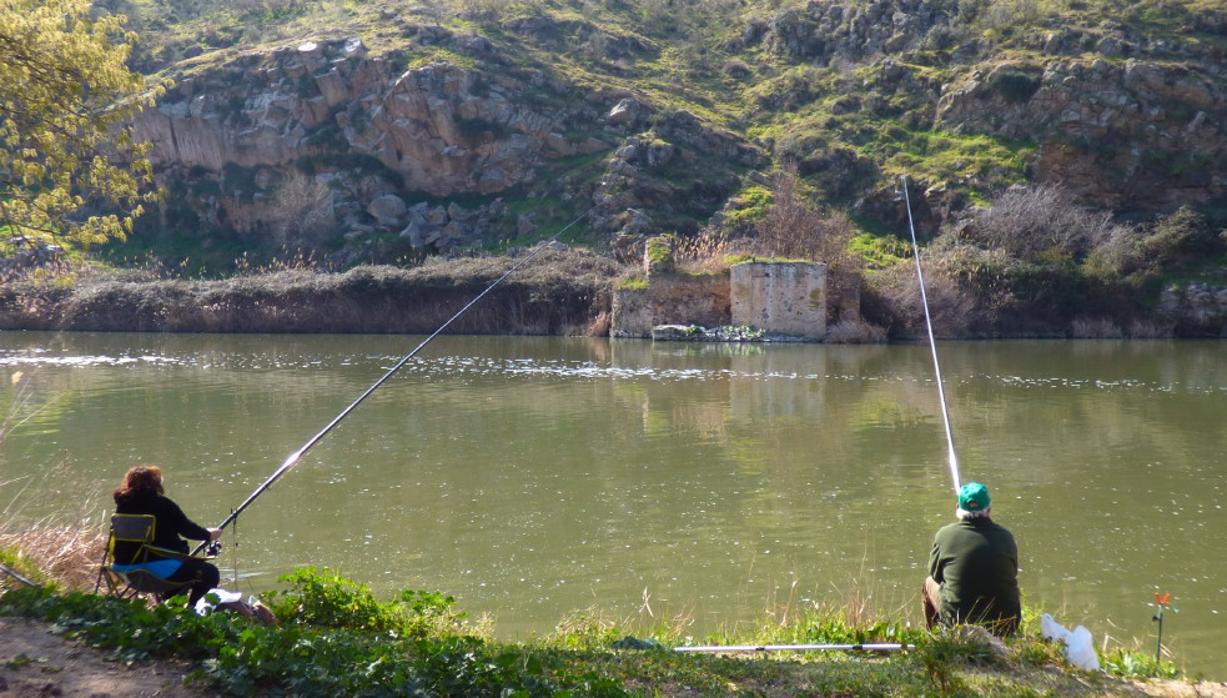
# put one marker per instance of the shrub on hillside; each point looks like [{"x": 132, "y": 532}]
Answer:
[
  {"x": 1138, "y": 254},
  {"x": 1039, "y": 224},
  {"x": 1001, "y": 15},
  {"x": 300, "y": 212},
  {"x": 893, "y": 301},
  {"x": 1016, "y": 86},
  {"x": 973, "y": 291},
  {"x": 1180, "y": 237}
]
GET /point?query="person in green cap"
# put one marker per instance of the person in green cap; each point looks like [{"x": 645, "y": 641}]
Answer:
[{"x": 973, "y": 569}]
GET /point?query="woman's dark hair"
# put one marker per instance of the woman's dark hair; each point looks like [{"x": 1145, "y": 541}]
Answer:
[{"x": 141, "y": 480}]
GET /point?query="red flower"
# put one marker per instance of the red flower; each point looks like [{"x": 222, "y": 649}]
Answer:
[{"x": 1164, "y": 598}]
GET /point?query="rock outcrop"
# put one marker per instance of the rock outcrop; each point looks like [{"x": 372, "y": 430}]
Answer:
[
  {"x": 442, "y": 129},
  {"x": 1195, "y": 309},
  {"x": 1132, "y": 135},
  {"x": 826, "y": 30},
  {"x": 370, "y": 134},
  {"x": 382, "y": 146}
]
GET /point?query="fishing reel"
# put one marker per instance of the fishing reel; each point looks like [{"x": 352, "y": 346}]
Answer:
[{"x": 213, "y": 549}]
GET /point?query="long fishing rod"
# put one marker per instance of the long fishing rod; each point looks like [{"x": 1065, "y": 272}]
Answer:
[
  {"x": 294, "y": 457},
  {"x": 13, "y": 573},
  {"x": 866, "y": 647},
  {"x": 937, "y": 369}
]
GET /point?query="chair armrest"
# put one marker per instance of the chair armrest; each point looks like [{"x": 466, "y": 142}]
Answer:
[{"x": 171, "y": 554}]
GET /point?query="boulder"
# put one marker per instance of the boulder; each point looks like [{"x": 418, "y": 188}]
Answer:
[
  {"x": 388, "y": 210},
  {"x": 625, "y": 112}
]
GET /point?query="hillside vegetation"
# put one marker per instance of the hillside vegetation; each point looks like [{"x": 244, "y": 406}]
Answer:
[{"x": 389, "y": 131}]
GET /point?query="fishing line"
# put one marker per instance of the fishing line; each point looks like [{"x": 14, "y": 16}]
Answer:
[
  {"x": 937, "y": 369},
  {"x": 294, "y": 457}
]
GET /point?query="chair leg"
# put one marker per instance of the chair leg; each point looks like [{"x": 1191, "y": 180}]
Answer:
[{"x": 102, "y": 571}]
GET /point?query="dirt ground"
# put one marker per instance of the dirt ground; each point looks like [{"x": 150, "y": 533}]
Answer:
[{"x": 34, "y": 662}]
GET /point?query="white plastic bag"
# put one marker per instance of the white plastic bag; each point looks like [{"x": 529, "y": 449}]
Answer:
[
  {"x": 1079, "y": 649},
  {"x": 215, "y": 597}
]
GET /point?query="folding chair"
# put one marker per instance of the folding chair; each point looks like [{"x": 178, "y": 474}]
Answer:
[{"x": 139, "y": 575}]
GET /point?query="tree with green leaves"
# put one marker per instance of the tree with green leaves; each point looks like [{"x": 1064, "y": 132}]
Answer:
[{"x": 69, "y": 167}]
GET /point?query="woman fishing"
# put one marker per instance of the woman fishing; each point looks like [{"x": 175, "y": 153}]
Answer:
[{"x": 141, "y": 493}]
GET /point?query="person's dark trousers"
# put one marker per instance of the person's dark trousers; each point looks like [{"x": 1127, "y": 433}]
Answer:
[{"x": 205, "y": 575}]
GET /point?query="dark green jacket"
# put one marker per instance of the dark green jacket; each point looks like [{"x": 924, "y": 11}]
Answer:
[{"x": 976, "y": 563}]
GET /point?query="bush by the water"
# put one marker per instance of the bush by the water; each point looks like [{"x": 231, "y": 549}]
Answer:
[{"x": 1036, "y": 263}]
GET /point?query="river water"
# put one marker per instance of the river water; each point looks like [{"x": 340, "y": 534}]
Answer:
[{"x": 530, "y": 477}]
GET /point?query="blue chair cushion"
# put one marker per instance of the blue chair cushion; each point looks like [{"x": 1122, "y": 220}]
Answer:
[{"x": 162, "y": 569}]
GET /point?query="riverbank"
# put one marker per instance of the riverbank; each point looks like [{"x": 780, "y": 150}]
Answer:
[
  {"x": 560, "y": 293},
  {"x": 336, "y": 638},
  {"x": 563, "y": 292}
]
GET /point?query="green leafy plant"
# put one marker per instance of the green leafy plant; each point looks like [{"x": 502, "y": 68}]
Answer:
[
  {"x": 632, "y": 283},
  {"x": 1136, "y": 664}
]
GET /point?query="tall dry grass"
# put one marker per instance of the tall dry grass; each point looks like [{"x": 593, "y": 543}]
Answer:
[
  {"x": 61, "y": 550},
  {"x": 65, "y": 547},
  {"x": 706, "y": 252}
]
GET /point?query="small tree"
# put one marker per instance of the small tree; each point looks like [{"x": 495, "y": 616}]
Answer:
[
  {"x": 794, "y": 228},
  {"x": 301, "y": 211},
  {"x": 67, "y": 101}
]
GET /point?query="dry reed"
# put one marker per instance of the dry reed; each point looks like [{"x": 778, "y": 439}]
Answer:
[
  {"x": 1095, "y": 328},
  {"x": 854, "y": 331},
  {"x": 704, "y": 253},
  {"x": 65, "y": 547},
  {"x": 64, "y": 551}
]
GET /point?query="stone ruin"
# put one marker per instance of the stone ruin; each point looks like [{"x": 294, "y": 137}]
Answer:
[{"x": 779, "y": 300}]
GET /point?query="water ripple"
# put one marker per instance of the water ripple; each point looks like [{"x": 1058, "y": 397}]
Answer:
[
  {"x": 90, "y": 360},
  {"x": 445, "y": 366}
]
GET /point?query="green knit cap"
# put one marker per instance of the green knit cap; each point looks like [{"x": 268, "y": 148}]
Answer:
[{"x": 974, "y": 497}]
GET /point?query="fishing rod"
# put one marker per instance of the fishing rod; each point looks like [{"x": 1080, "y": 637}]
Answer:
[
  {"x": 866, "y": 647},
  {"x": 13, "y": 573},
  {"x": 294, "y": 457},
  {"x": 937, "y": 369}
]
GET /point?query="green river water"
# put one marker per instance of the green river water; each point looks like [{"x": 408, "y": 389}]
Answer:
[{"x": 530, "y": 477}]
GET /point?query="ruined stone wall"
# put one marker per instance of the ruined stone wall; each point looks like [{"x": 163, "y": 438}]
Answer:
[
  {"x": 780, "y": 297},
  {"x": 691, "y": 299}
]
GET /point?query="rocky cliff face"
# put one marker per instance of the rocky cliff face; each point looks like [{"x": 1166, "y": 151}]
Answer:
[
  {"x": 364, "y": 129},
  {"x": 1134, "y": 134},
  {"x": 442, "y": 129},
  {"x": 307, "y": 142}
]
